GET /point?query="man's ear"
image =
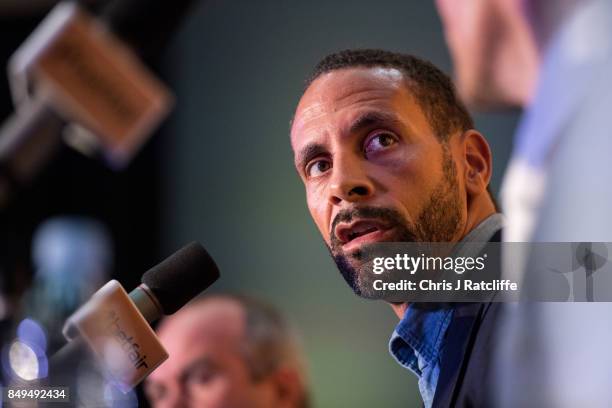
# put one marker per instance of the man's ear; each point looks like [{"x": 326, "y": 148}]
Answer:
[
  {"x": 289, "y": 387},
  {"x": 478, "y": 162}
]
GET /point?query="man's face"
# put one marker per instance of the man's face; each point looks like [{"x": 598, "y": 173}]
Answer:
[
  {"x": 493, "y": 53},
  {"x": 373, "y": 169},
  {"x": 467, "y": 29},
  {"x": 206, "y": 367}
]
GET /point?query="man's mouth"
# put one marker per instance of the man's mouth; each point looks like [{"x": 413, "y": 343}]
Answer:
[{"x": 357, "y": 233}]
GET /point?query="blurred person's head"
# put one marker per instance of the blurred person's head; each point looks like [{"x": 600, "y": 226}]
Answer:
[
  {"x": 497, "y": 46},
  {"x": 387, "y": 153},
  {"x": 228, "y": 351}
]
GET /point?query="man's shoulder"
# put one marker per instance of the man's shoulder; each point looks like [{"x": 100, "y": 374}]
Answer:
[{"x": 467, "y": 361}]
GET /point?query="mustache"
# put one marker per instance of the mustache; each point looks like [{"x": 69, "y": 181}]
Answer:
[{"x": 385, "y": 215}]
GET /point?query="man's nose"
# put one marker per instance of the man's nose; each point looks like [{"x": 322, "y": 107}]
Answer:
[{"x": 350, "y": 181}]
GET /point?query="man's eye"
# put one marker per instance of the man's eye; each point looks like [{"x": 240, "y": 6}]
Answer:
[
  {"x": 317, "y": 168},
  {"x": 201, "y": 376},
  {"x": 379, "y": 142}
]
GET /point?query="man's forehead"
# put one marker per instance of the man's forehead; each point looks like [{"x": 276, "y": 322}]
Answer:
[
  {"x": 213, "y": 318},
  {"x": 335, "y": 91},
  {"x": 207, "y": 327}
]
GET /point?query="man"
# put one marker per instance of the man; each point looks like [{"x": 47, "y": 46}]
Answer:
[
  {"x": 387, "y": 153},
  {"x": 554, "y": 59},
  {"x": 228, "y": 351}
]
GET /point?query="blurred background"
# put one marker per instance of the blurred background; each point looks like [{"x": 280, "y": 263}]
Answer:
[{"x": 220, "y": 171}]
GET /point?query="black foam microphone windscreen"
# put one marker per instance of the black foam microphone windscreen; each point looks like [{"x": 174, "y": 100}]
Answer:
[
  {"x": 181, "y": 277},
  {"x": 112, "y": 317}
]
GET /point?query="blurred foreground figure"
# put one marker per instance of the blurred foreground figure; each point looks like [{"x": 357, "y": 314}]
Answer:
[
  {"x": 73, "y": 256},
  {"x": 228, "y": 351},
  {"x": 554, "y": 58}
]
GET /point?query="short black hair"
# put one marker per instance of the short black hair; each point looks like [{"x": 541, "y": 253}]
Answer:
[{"x": 433, "y": 89}]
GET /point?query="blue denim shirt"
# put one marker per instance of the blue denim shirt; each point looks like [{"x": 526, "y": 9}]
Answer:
[{"x": 417, "y": 343}]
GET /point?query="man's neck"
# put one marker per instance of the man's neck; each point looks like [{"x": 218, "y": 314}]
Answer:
[{"x": 400, "y": 308}]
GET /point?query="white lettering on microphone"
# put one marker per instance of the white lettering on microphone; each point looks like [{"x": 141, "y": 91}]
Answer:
[{"x": 131, "y": 348}]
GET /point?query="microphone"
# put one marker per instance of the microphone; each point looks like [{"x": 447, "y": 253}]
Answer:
[
  {"x": 81, "y": 71},
  {"x": 114, "y": 327}
]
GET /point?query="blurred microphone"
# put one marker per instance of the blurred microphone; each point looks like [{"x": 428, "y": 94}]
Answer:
[
  {"x": 113, "y": 326},
  {"x": 74, "y": 69}
]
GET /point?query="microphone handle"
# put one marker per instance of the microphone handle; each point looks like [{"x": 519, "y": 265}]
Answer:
[
  {"x": 64, "y": 363},
  {"x": 74, "y": 368}
]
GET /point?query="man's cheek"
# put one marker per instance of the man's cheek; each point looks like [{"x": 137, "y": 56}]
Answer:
[
  {"x": 320, "y": 213},
  {"x": 400, "y": 165}
]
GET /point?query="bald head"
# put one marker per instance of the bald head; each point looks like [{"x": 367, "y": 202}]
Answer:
[
  {"x": 227, "y": 351},
  {"x": 216, "y": 320}
]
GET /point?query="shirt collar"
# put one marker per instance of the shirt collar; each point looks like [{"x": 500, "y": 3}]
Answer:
[
  {"x": 482, "y": 234},
  {"x": 417, "y": 340}
]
